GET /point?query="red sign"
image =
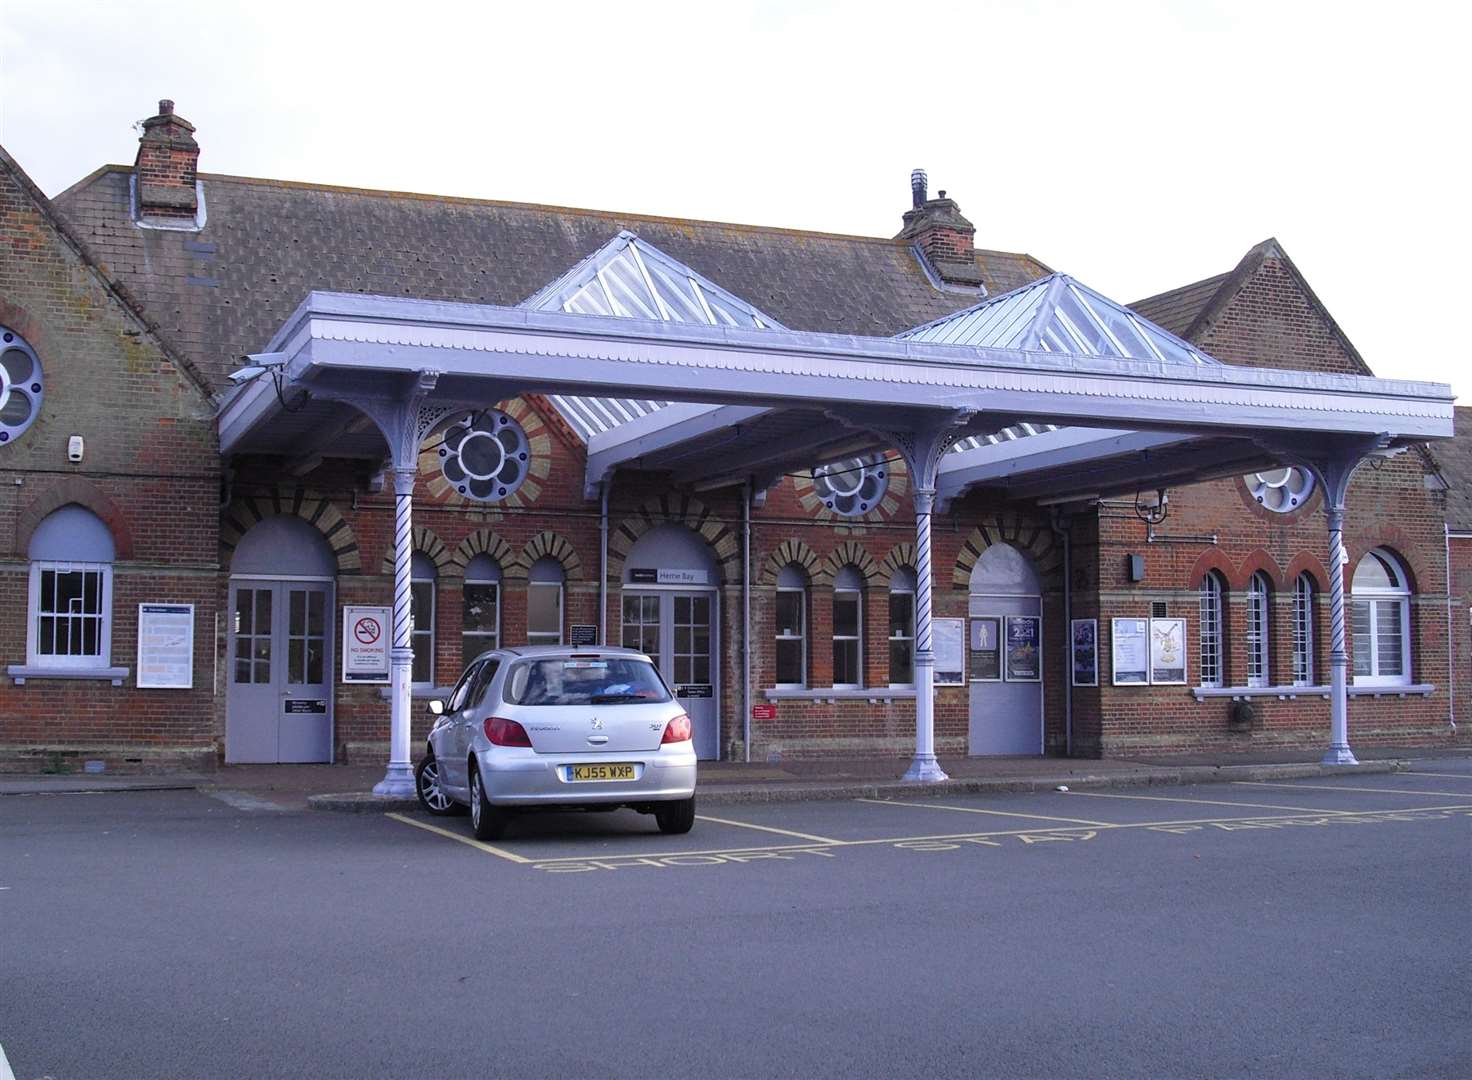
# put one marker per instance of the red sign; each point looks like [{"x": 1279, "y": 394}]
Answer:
[
  {"x": 764, "y": 712},
  {"x": 367, "y": 630}
]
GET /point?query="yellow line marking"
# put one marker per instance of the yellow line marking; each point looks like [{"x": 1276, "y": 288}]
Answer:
[
  {"x": 768, "y": 828},
  {"x": 1210, "y": 802},
  {"x": 975, "y": 810},
  {"x": 487, "y": 848},
  {"x": 1441, "y": 775},
  {"x": 1342, "y": 787}
]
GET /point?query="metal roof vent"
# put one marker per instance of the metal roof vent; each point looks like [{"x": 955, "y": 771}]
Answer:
[{"x": 918, "y": 183}]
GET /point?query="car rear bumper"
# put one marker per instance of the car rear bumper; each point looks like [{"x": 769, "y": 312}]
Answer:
[{"x": 531, "y": 779}]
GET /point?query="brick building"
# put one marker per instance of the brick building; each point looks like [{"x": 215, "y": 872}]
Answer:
[{"x": 552, "y": 512}]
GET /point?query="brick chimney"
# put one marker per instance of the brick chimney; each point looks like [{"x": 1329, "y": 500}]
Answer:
[
  {"x": 944, "y": 237},
  {"x": 167, "y": 160}
]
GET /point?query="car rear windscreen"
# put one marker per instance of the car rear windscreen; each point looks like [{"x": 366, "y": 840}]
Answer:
[{"x": 569, "y": 680}]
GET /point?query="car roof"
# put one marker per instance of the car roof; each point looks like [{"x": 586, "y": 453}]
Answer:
[{"x": 535, "y": 651}]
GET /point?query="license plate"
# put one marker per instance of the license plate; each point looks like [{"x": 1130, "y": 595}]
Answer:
[{"x": 620, "y": 770}]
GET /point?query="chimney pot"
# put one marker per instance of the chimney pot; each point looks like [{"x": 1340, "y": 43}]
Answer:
[
  {"x": 918, "y": 183},
  {"x": 165, "y": 107},
  {"x": 944, "y": 238}
]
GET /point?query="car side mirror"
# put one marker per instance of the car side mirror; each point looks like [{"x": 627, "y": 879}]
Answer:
[{"x": 437, "y": 707}]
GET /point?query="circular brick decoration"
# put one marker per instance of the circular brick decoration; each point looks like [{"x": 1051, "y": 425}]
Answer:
[{"x": 20, "y": 385}]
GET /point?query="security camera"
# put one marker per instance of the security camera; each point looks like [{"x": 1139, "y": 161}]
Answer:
[{"x": 246, "y": 374}]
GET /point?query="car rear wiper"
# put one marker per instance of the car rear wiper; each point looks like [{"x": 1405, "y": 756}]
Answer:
[{"x": 609, "y": 699}]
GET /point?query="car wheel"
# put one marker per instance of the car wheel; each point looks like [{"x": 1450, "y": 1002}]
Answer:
[
  {"x": 486, "y": 821},
  {"x": 675, "y": 817},
  {"x": 432, "y": 796}
]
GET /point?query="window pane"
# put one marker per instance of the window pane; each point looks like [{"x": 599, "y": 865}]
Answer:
[
  {"x": 543, "y": 610},
  {"x": 481, "y": 603},
  {"x": 901, "y": 615},
  {"x": 789, "y": 661},
  {"x": 242, "y": 671},
  {"x": 631, "y": 609},
  {"x": 422, "y": 605},
  {"x": 315, "y": 653},
  {"x": 846, "y": 662},
  {"x": 789, "y": 613},
  {"x": 902, "y": 662},
  {"x": 1360, "y": 628},
  {"x": 1388, "y": 637},
  {"x": 48, "y": 590},
  {"x": 46, "y": 635},
  {"x": 316, "y": 602},
  {"x": 846, "y": 614},
  {"x": 296, "y": 654},
  {"x": 297, "y": 614},
  {"x": 423, "y": 658},
  {"x": 263, "y": 611}
]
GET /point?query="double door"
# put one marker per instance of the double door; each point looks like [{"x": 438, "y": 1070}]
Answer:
[
  {"x": 279, "y": 704},
  {"x": 1005, "y": 638},
  {"x": 677, "y": 629}
]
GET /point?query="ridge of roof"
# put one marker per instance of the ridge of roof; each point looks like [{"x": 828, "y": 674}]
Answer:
[
  {"x": 512, "y": 204},
  {"x": 114, "y": 288}
]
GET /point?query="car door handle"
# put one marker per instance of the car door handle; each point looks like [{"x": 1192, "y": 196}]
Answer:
[{"x": 597, "y": 740}]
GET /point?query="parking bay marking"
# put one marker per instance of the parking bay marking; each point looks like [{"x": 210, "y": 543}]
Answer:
[
  {"x": 479, "y": 844},
  {"x": 768, "y": 828},
  {"x": 978, "y": 810},
  {"x": 1340, "y": 787},
  {"x": 1440, "y": 775},
  {"x": 1210, "y": 802},
  {"x": 5, "y": 1073}
]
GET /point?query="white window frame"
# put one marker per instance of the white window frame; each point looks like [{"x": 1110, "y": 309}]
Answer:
[
  {"x": 466, "y": 636},
  {"x": 37, "y": 659},
  {"x": 418, "y": 632},
  {"x": 1375, "y": 598},
  {"x": 800, "y": 637},
  {"x": 1259, "y": 630},
  {"x": 908, "y": 596},
  {"x": 1303, "y": 630},
  {"x": 1212, "y": 596},
  {"x": 857, "y": 637}
]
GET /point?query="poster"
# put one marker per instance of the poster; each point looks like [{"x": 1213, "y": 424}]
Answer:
[
  {"x": 1130, "y": 640},
  {"x": 1168, "y": 652},
  {"x": 1085, "y": 638},
  {"x": 1024, "y": 648},
  {"x": 948, "y": 637},
  {"x": 365, "y": 640},
  {"x": 986, "y": 649},
  {"x": 165, "y": 646}
]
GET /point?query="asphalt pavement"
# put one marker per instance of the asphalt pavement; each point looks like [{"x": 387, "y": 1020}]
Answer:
[{"x": 1295, "y": 928}]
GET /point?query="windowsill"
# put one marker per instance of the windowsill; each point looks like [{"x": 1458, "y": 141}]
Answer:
[
  {"x": 418, "y": 693},
  {"x": 1288, "y": 693},
  {"x": 871, "y": 694},
  {"x": 21, "y": 672}
]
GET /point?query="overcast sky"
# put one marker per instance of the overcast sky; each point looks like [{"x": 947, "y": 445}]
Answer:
[{"x": 1136, "y": 145}]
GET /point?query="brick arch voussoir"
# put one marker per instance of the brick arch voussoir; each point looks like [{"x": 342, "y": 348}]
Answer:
[
  {"x": 675, "y": 509},
  {"x": 1258, "y": 560},
  {"x": 316, "y": 510},
  {"x": 482, "y": 542},
  {"x": 548, "y": 544},
  {"x": 788, "y": 553},
  {"x": 423, "y": 541},
  {"x": 84, "y": 493},
  {"x": 1306, "y": 562},
  {"x": 1211, "y": 559},
  {"x": 852, "y": 553},
  {"x": 899, "y": 557}
]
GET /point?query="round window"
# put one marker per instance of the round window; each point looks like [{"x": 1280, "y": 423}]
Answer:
[
  {"x": 853, "y": 487},
  {"x": 1281, "y": 490},
  {"x": 485, "y": 455},
  {"x": 20, "y": 385}
]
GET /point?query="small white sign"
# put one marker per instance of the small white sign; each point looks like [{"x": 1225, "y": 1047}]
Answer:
[
  {"x": 366, "y": 632},
  {"x": 948, "y": 639},
  {"x": 165, "y": 646}
]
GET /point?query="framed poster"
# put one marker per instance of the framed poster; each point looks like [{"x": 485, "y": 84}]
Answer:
[
  {"x": 1168, "y": 652},
  {"x": 1130, "y": 651},
  {"x": 1024, "y": 648},
  {"x": 1085, "y": 644},
  {"x": 986, "y": 649},
  {"x": 948, "y": 639},
  {"x": 165, "y": 646},
  {"x": 365, "y": 639}
]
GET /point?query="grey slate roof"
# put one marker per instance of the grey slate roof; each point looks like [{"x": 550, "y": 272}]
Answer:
[
  {"x": 1178, "y": 309},
  {"x": 1454, "y": 457},
  {"x": 223, "y": 291}
]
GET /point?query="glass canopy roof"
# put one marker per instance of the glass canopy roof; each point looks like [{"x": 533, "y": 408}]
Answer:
[
  {"x": 628, "y": 278},
  {"x": 1060, "y": 315}
]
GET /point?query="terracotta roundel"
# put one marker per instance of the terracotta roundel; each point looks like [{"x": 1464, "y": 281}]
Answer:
[
  {"x": 485, "y": 456},
  {"x": 1281, "y": 490},
  {"x": 853, "y": 487},
  {"x": 20, "y": 385}
]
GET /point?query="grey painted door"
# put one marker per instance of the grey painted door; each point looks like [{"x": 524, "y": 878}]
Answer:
[
  {"x": 279, "y": 703},
  {"x": 1006, "y": 714},
  {"x": 676, "y": 629}
]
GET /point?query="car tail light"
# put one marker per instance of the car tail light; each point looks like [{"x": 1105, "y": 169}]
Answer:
[
  {"x": 503, "y": 732},
  {"x": 677, "y": 730}
]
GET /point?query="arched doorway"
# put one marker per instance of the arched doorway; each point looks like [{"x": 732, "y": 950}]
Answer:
[
  {"x": 669, "y": 611},
  {"x": 279, "y": 702},
  {"x": 1006, "y": 639}
]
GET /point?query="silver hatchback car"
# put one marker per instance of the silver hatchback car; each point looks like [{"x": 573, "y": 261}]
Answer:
[{"x": 552, "y": 726}]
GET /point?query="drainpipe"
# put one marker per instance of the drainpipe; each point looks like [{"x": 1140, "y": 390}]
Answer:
[
  {"x": 1067, "y": 630},
  {"x": 746, "y": 619},
  {"x": 603, "y": 486},
  {"x": 1451, "y": 641}
]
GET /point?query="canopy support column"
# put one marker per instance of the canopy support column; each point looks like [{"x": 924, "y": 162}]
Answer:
[{"x": 922, "y": 450}]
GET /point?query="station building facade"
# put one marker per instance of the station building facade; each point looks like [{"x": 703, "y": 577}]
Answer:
[{"x": 780, "y": 602}]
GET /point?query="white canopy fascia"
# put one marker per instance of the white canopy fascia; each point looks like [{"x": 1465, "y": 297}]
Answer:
[{"x": 353, "y": 348}]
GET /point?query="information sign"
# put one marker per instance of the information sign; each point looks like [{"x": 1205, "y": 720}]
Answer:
[
  {"x": 1085, "y": 639},
  {"x": 1168, "y": 652},
  {"x": 1130, "y": 648},
  {"x": 948, "y": 639},
  {"x": 579, "y": 634},
  {"x": 1024, "y": 648},
  {"x": 764, "y": 712},
  {"x": 165, "y": 646},
  {"x": 986, "y": 649},
  {"x": 365, "y": 644}
]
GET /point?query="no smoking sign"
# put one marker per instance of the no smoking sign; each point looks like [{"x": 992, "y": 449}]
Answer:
[{"x": 364, "y": 645}]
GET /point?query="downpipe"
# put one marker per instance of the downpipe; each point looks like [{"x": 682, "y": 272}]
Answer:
[
  {"x": 1061, "y": 530},
  {"x": 746, "y": 620}
]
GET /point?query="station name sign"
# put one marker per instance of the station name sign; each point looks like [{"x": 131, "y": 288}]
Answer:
[{"x": 666, "y": 576}]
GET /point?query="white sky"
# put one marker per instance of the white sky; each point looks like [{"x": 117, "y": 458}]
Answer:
[{"x": 1136, "y": 145}]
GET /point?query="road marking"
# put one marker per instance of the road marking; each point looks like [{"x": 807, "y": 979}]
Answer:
[
  {"x": 1340, "y": 787},
  {"x": 768, "y": 828},
  {"x": 1441, "y": 775},
  {"x": 5, "y": 1073},
  {"x": 487, "y": 848},
  {"x": 975, "y": 810},
  {"x": 1211, "y": 802}
]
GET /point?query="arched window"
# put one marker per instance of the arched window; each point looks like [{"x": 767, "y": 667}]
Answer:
[
  {"x": 792, "y": 607},
  {"x": 1380, "y": 607},
  {"x": 1259, "y": 603},
  {"x": 544, "y": 602},
  {"x": 902, "y": 628},
  {"x": 1212, "y": 593},
  {"x": 70, "y": 624},
  {"x": 423, "y": 576},
  {"x": 848, "y": 628},
  {"x": 481, "y": 600},
  {"x": 1303, "y": 630}
]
